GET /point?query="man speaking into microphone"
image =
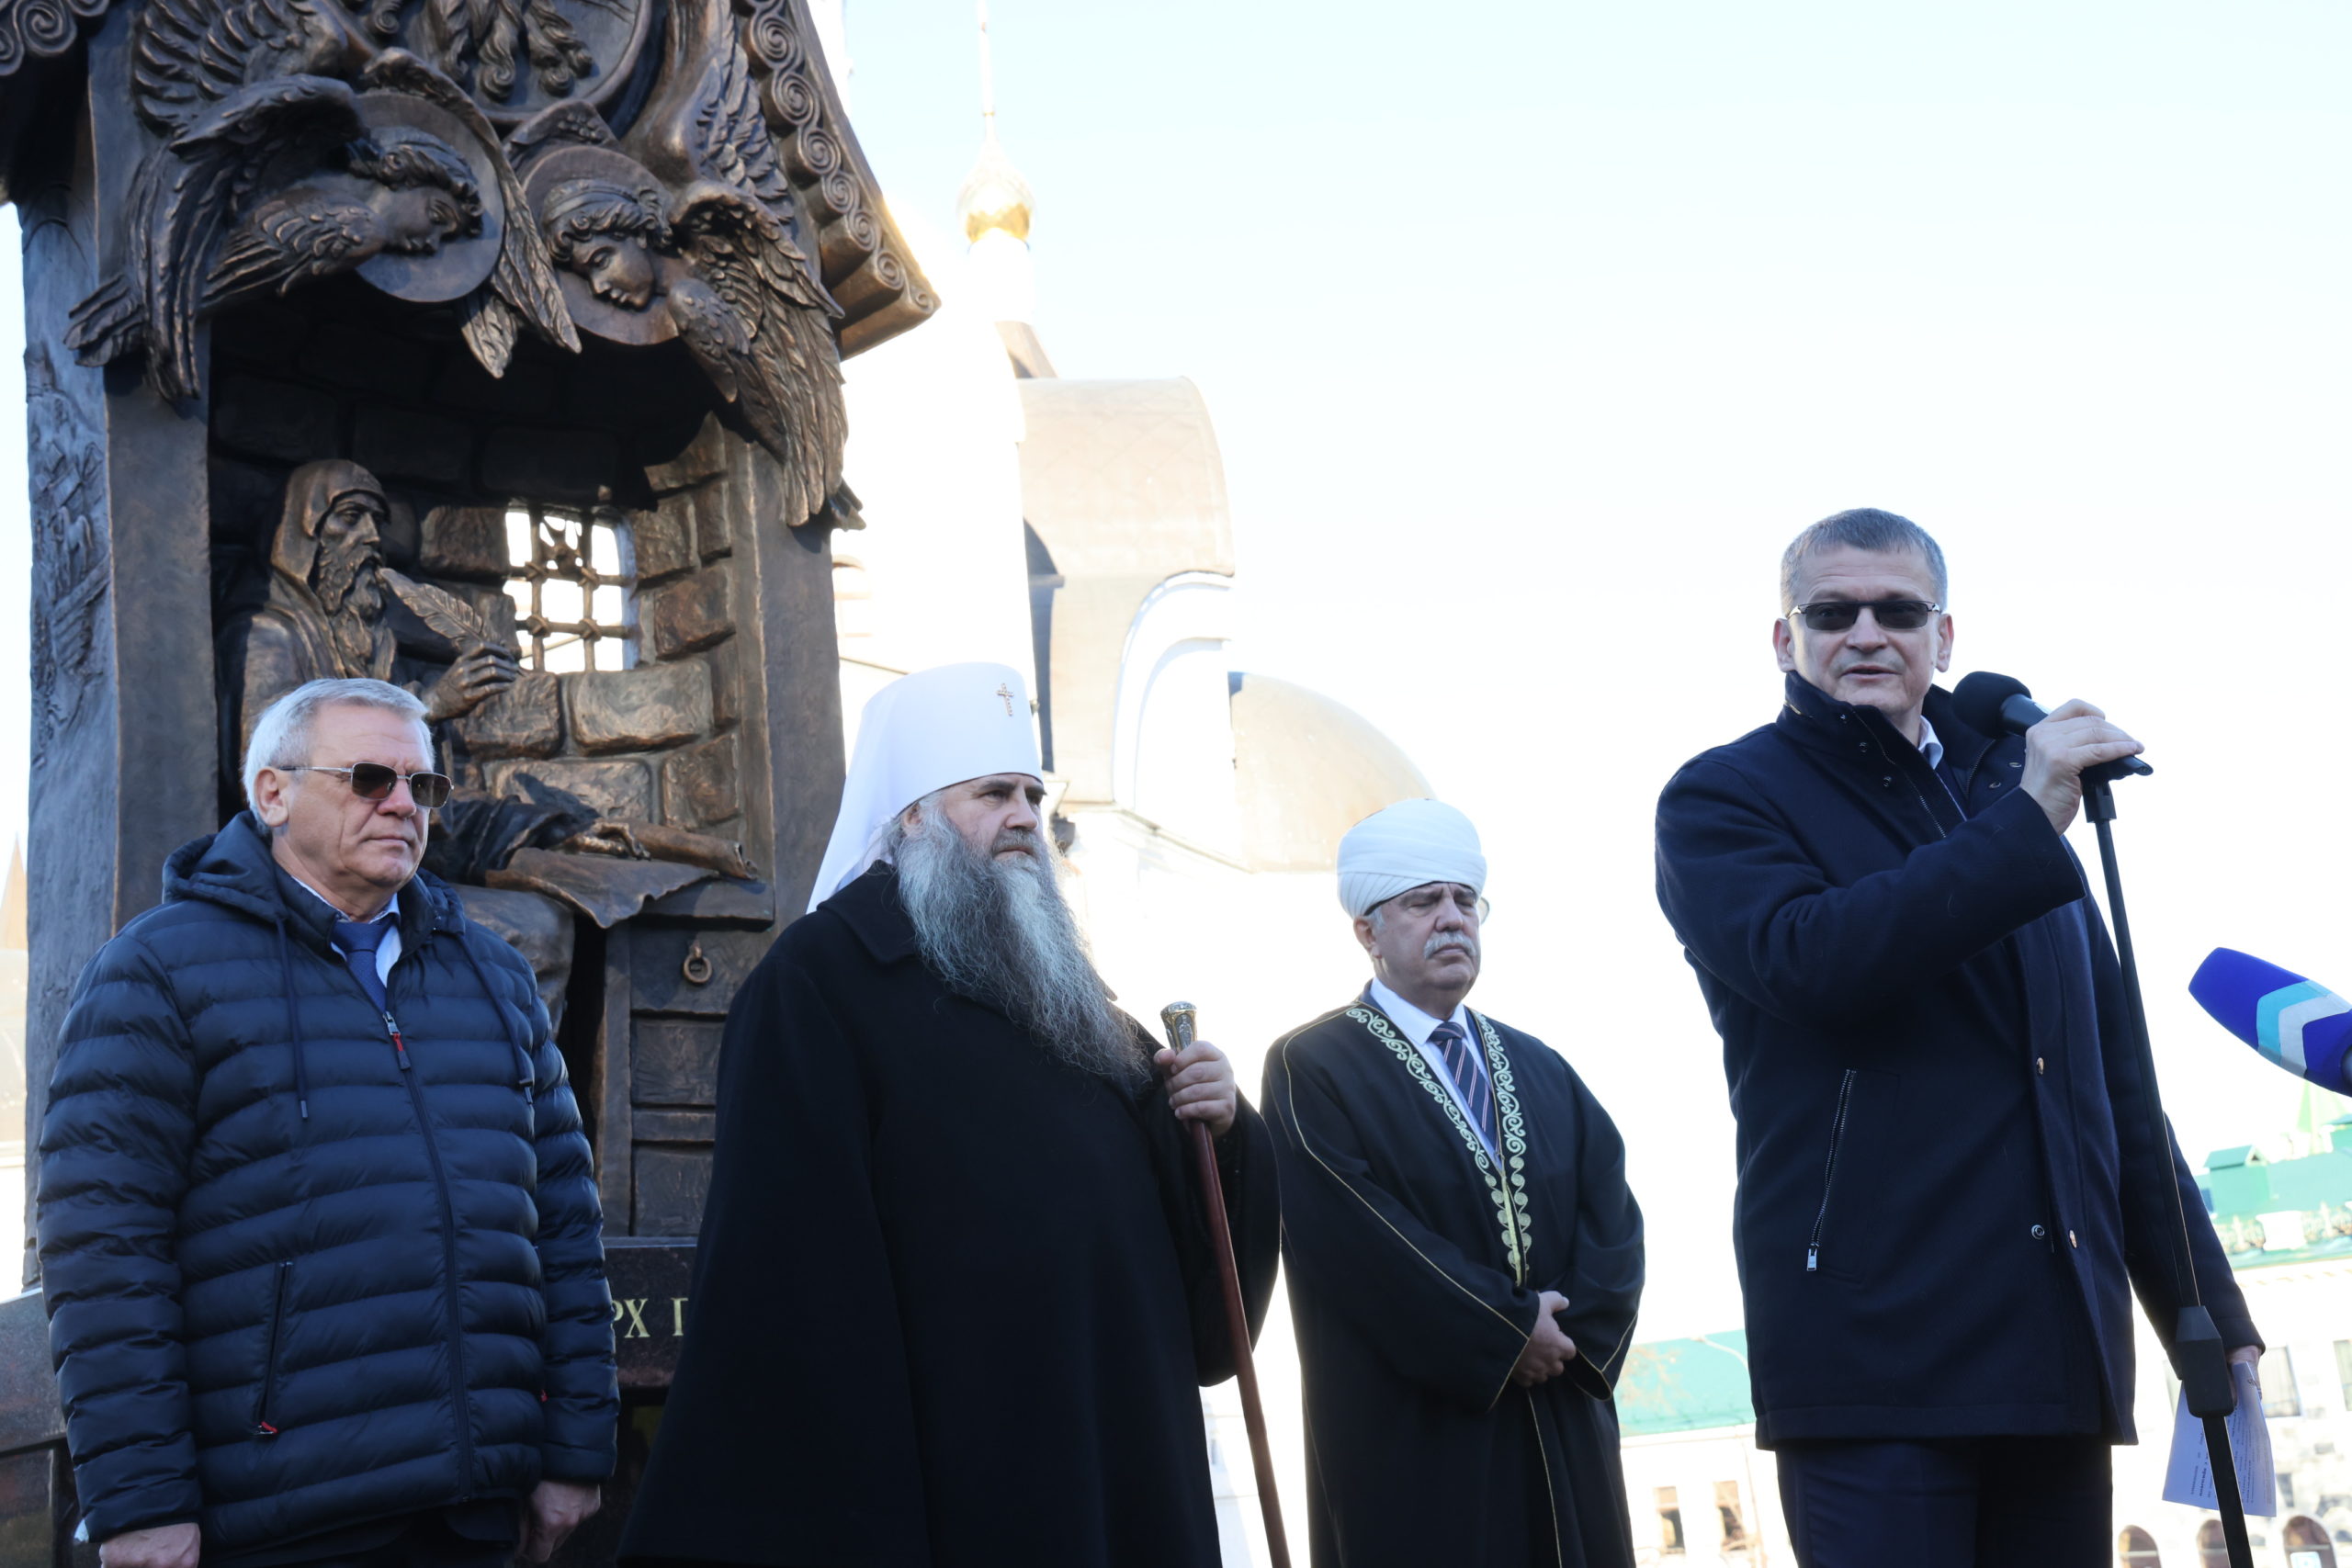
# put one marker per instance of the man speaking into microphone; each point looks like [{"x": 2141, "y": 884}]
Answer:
[{"x": 1946, "y": 1190}]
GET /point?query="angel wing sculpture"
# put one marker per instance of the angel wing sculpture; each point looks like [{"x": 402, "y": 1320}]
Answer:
[
  {"x": 191, "y": 193},
  {"x": 275, "y": 170},
  {"x": 741, "y": 289},
  {"x": 762, "y": 329}
]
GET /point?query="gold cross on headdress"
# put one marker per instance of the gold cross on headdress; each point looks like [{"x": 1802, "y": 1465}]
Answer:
[{"x": 1006, "y": 692}]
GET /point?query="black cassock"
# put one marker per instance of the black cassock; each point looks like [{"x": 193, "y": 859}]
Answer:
[
  {"x": 953, "y": 1300},
  {"x": 1415, "y": 1261}
]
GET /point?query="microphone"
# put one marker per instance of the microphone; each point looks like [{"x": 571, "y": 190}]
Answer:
[
  {"x": 1994, "y": 705},
  {"x": 2298, "y": 1024}
]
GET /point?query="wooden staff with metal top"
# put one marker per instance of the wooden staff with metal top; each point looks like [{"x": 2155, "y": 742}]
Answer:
[{"x": 1177, "y": 1016}]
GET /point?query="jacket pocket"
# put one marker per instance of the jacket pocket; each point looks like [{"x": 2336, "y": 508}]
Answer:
[
  {"x": 268, "y": 1395},
  {"x": 1854, "y": 1174}
]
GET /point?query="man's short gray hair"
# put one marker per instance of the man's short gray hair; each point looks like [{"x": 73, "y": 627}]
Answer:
[
  {"x": 1864, "y": 528},
  {"x": 282, "y": 738}
]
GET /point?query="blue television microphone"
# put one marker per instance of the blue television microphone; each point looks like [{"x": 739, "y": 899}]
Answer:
[{"x": 2298, "y": 1024}]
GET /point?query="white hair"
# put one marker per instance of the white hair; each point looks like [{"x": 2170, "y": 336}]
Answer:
[{"x": 282, "y": 737}]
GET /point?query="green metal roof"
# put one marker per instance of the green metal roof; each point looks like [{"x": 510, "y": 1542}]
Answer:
[
  {"x": 2240, "y": 1186},
  {"x": 1685, "y": 1385}
]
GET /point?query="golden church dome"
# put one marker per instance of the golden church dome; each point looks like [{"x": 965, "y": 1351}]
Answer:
[{"x": 994, "y": 196}]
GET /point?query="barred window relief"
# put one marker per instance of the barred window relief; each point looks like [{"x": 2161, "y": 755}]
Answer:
[{"x": 573, "y": 579}]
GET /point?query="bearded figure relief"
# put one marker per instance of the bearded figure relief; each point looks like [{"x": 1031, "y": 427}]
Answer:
[{"x": 330, "y": 613}]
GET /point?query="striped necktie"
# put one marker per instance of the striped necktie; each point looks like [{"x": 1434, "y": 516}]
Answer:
[{"x": 1469, "y": 1075}]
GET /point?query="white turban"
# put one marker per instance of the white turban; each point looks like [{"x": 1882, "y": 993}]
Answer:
[
  {"x": 923, "y": 732},
  {"x": 1410, "y": 844}
]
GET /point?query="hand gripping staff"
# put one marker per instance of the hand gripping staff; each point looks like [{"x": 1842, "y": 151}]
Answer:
[{"x": 1177, "y": 1016}]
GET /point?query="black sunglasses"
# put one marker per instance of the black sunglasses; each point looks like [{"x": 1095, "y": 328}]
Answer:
[
  {"x": 373, "y": 780},
  {"x": 1839, "y": 615}
]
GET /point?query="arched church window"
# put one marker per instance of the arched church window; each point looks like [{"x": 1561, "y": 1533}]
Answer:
[
  {"x": 2136, "y": 1548},
  {"x": 2213, "y": 1550},
  {"x": 572, "y": 576},
  {"x": 2307, "y": 1544}
]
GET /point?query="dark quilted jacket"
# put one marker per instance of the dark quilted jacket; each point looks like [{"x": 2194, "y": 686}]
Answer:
[{"x": 293, "y": 1282}]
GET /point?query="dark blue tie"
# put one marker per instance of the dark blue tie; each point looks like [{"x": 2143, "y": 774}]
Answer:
[
  {"x": 1469, "y": 1076},
  {"x": 359, "y": 943}
]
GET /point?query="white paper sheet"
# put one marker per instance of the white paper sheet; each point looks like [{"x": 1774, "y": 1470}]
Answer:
[{"x": 2188, "y": 1475}]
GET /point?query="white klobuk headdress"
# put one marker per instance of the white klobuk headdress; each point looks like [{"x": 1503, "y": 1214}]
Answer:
[{"x": 923, "y": 732}]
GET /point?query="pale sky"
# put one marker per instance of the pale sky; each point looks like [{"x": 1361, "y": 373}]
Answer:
[{"x": 1533, "y": 330}]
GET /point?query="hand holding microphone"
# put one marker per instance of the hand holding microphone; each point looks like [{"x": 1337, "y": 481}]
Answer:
[{"x": 2060, "y": 747}]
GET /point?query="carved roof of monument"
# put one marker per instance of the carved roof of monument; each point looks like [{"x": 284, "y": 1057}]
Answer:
[
  {"x": 517, "y": 60},
  {"x": 865, "y": 262},
  {"x": 42, "y": 30}
]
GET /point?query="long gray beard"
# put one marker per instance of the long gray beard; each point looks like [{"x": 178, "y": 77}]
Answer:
[
  {"x": 339, "y": 573},
  {"x": 999, "y": 932},
  {"x": 353, "y": 596}
]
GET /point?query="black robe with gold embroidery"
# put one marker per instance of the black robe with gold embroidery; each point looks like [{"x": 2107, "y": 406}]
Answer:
[
  {"x": 1415, "y": 1261},
  {"x": 955, "y": 1300}
]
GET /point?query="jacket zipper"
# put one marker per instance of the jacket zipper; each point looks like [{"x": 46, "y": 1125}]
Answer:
[
  {"x": 1829, "y": 1170},
  {"x": 459, "y": 1395},
  {"x": 262, "y": 1427}
]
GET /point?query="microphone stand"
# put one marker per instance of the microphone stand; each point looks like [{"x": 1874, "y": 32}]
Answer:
[{"x": 2199, "y": 1358}]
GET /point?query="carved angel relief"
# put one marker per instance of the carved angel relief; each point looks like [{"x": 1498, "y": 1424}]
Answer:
[
  {"x": 303, "y": 139},
  {"x": 706, "y": 254},
  {"x": 266, "y": 180}
]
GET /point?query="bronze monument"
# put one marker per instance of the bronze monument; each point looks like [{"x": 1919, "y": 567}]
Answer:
[{"x": 493, "y": 350}]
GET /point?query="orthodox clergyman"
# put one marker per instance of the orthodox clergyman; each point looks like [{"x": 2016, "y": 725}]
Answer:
[
  {"x": 955, "y": 1296},
  {"x": 1465, "y": 1256}
]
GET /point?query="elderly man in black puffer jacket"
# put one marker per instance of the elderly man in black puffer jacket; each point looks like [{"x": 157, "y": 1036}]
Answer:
[{"x": 319, "y": 1226}]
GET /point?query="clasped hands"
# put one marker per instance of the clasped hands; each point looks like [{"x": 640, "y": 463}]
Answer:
[{"x": 1549, "y": 1349}]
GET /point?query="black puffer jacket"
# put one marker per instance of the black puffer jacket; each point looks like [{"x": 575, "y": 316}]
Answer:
[{"x": 294, "y": 1282}]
